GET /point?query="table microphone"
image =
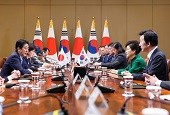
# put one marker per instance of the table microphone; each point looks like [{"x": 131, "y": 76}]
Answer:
[
  {"x": 58, "y": 88},
  {"x": 58, "y": 77},
  {"x": 63, "y": 110},
  {"x": 103, "y": 88},
  {"x": 9, "y": 85},
  {"x": 122, "y": 109}
]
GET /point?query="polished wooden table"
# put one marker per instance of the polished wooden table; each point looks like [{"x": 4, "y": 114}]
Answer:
[{"x": 47, "y": 103}]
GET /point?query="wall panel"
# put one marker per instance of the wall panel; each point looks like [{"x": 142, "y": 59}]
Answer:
[
  {"x": 113, "y": 2},
  {"x": 88, "y": 2},
  {"x": 139, "y": 2},
  {"x": 31, "y": 14},
  {"x": 161, "y": 24},
  {"x": 11, "y": 2},
  {"x": 116, "y": 22},
  {"x": 37, "y": 2},
  {"x": 86, "y": 19},
  {"x": 139, "y": 17},
  {"x": 163, "y": 2},
  {"x": 11, "y": 27},
  {"x": 62, "y": 2}
]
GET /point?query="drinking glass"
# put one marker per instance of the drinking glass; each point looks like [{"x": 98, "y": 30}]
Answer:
[
  {"x": 35, "y": 79},
  {"x": 24, "y": 91},
  {"x": 104, "y": 73},
  {"x": 153, "y": 91},
  {"x": 128, "y": 83}
]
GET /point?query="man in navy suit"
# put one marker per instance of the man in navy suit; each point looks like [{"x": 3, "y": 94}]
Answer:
[
  {"x": 15, "y": 60},
  {"x": 157, "y": 63}
]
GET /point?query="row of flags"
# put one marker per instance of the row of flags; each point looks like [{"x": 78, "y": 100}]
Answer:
[{"x": 79, "y": 53}]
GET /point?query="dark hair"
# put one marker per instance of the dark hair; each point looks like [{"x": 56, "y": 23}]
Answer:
[
  {"x": 150, "y": 37},
  {"x": 110, "y": 45},
  {"x": 20, "y": 44},
  {"x": 134, "y": 45},
  {"x": 45, "y": 49},
  {"x": 31, "y": 47},
  {"x": 118, "y": 46},
  {"x": 101, "y": 46}
]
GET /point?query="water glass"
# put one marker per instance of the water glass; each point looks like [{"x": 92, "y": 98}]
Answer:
[
  {"x": 104, "y": 73},
  {"x": 24, "y": 90},
  {"x": 42, "y": 87},
  {"x": 128, "y": 83},
  {"x": 153, "y": 92},
  {"x": 35, "y": 82}
]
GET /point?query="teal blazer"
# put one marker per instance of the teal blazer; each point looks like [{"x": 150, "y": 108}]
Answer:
[{"x": 136, "y": 65}]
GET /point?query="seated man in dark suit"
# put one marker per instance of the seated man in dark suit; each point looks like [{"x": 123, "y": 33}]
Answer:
[
  {"x": 153, "y": 80},
  {"x": 14, "y": 61},
  {"x": 118, "y": 57},
  {"x": 157, "y": 64},
  {"x": 104, "y": 54},
  {"x": 29, "y": 62}
]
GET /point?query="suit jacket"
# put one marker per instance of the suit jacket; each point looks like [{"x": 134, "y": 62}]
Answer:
[
  {"x": 137, "y": 64},
  {"x": 28, "y": 64},
  {"x": 13, "y": 62},
  {"x": 118, "y": 61},
  {"x": 165, "y": 85},
  {"x": 157, "y": 66}
]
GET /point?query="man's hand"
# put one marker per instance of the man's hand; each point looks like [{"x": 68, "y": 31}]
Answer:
[
  {"x": 150, "y": 80},
  {"x": 126, "y": 73},
  {"x": 113, "y": 71}
]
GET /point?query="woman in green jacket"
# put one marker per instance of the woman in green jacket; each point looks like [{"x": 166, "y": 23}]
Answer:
[{"x": 136, "y": 62}]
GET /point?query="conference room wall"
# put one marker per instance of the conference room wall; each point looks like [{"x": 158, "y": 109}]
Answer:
[{"x": 126, "y": 18}]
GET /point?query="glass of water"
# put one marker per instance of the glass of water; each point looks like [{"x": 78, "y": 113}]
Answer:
[
  {"x": 128, "y": 83},
  {"x": 153, "y": 91},
  {"x": 104, "y": 73},
  {"x": 24, "y": 91}
]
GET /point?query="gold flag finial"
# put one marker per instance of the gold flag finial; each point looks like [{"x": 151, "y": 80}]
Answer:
[
  {"x": 38, "y": 22},
  {"x": 93, "y": 23},
  {"x": 106, "y": 23},
  {"x": 51, "y": 23},
  {"x": 78, "y": 23},
  {"x": 64, "y": 23}
]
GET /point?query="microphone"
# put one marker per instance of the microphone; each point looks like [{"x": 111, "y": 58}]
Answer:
[
  {"x": 122, "y": 110},
  {"x": 103, "y": 89},
  {"x": 63, "y": 110},
  {"x": 57, "y": 89},
  {"x": 58, "y": 77},
  {"x": 9, "y": 85}
]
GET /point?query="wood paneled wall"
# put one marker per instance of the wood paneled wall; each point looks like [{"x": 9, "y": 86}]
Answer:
[{"x": 126, "y": 18}]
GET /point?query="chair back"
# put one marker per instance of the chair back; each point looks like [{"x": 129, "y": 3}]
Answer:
[{"x": 2, "y": 61}]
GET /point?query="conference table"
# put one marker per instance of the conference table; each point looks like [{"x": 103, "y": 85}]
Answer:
[{"x": 44, "y": 103}]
